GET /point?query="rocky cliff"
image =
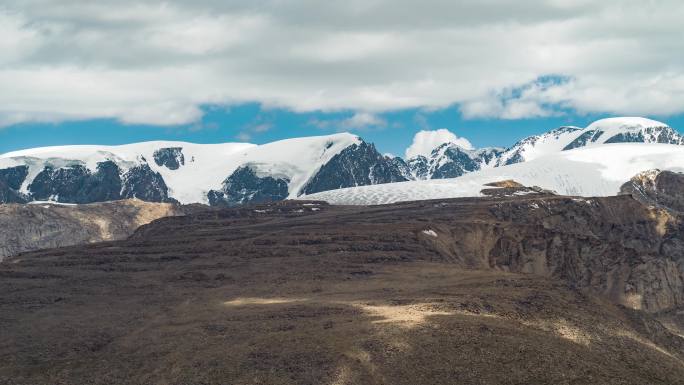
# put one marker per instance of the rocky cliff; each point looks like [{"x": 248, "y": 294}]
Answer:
[
  {"x": 357, "y": 165},
  {"x": 657, "y": 188},
  {"x": 42, "y": 226}
]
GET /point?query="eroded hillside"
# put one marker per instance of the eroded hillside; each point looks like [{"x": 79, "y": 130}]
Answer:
[
  {"x": 306, "y": 293},
  {"x": 47, "y": 225}
]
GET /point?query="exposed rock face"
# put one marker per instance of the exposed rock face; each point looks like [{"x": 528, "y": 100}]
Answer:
[
  {"x": 584, "y": 139},
  {"x": 657, "y": 188},
  {"x": 450, "y": 161},
  {"x": 459, "y": 163},
  {"x": 13, "y": 177},
  {"x": 612, "y": 246},
  {"x": 10, "y": 195},
  {"x": 357, "y": 165},
  {"x": 663, "y": 189},
  {"x": 77, "y": 184},
  {"x": 511, "y": 188},
  {"x": 403, "y": 168},
  {"x": 656, "y": 134},
  {"x": 40, "y": 226},
  {"x": 171, "y": 157},
  {"x": 420, "y": 167},
  {"x": 11, "y": 180},
  {"x": 245, "y": 186},
  {"x": 142, "y": 183}
]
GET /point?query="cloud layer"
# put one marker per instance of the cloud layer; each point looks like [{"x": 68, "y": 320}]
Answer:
[
  {"x": 159, "y": 62},
  {"x": 425, "y": 141}
]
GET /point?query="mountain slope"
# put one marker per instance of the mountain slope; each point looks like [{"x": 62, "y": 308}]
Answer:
[
  {"x": 592, "y": 171},
  {"x": 190, "y": 173},
  {"x": 657, "y": 188},
  {"x": 310, "y": 294},
  {"x": 604, "y": 131},
  {"x": 449, "y": 160},
  {"x": 46, "y": 225}
]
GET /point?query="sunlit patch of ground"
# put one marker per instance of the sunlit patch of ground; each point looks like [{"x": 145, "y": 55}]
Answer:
[
  {"x": 634, "y": 337},
  {"x": 407, "y": 315},
  {"x": 261, "y": 301},
  {"x": 562, "y": 328}
]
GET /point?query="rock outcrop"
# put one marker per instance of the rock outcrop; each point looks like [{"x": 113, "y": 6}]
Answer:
[
  {"x": 77, "y": 184},
  {"x": 657, "y": 188},
  {"x": 246, "y": 186},
  {"x": 170, "y": 157},
  {"x": 42, "y": 226},
  {"x": 357, "y": 165}
]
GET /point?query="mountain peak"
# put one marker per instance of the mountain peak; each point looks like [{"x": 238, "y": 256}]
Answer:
[{"x": 625, "y": 122}]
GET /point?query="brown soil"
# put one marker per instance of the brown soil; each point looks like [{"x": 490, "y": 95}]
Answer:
[{"x": 304, "y": 293}]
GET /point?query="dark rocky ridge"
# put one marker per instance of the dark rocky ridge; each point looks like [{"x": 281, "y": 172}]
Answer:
[
  {"x": 11, "y": 180},
  {"x": 584, "y": 139},
  {"x": 245, "y": 186},
  {"x": 357, "y": 165},
  {"x": 305, "y": 293},
  {"x": 460, "y": 162},
  {"x": 662, "y": 134},
  {"x": 13, "y": 177},
  {"x": 141, "y": 182},
  {"x": 450, "y": 161},
  {"x": 170, "y": 157},
  {"x": 77, "y": 184},
  {"x": 657, "y": 188}
]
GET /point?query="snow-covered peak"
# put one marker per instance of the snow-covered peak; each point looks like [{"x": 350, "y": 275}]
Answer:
[
  {"x": 190, "y": 170},
  {"x": 587, "y": 172},
  {"x": 604, "y": 131},
  {"x": 537, "y": 146},
  {"x": 624, "y": 123}
]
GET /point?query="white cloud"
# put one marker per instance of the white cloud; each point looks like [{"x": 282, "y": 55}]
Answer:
[
  {"x": 363, "y": 120},
  {"x": 158, "y": 62},
  {"x": 358, "y": 121},
  {"x": 426, "y": 141}
]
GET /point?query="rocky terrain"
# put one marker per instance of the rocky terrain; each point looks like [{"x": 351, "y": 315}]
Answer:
[
  {"x": 531, "y": 288},
  {"x": 42, "y": 226},
  {"x": 657, "y": 188}
]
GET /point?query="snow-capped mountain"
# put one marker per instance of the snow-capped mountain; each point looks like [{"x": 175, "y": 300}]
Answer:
[
  {"x": 449, "y": 160},
  {"x": 604, "y": 131},
  {"x": 590, "y": 171},
  {"x": 237, "y": 173},
  {"x": 220, "y": 174}
]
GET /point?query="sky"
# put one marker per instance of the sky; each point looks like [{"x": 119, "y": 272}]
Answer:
[{"x": 487, "y": 71}]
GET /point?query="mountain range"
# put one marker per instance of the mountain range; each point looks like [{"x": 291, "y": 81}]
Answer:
[{"x": 236, "y": 173}]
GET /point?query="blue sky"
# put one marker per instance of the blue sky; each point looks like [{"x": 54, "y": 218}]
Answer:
[{"x": 251, "y": 122}]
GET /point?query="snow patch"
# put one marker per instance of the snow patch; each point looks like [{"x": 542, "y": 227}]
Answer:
[{"x": 430, "y": 233}]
